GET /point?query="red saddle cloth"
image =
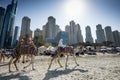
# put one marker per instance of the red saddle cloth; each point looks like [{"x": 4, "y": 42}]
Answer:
[{"x": 65, "y": 49}]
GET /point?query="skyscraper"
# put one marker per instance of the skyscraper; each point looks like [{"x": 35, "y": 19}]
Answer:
[
  {"x": 44, "y": 32},
  {"x": 100, "y": 34},
  {"x": 37, "y": 33},
  {"x": 67, "y": 29},
  {"x": 74, "y": 33},
  {"x": 109, "y": 34},
  {"x": 119, "y": 33},
  {"x": 116, "y": 38},
  {"x": 71, "y": 33},
  {"x": 2, "y": 13},
  {"x": 79, "y": 34},
  {"x": 15, "y": 37},
  {"x": 50, "y": 30},
  {"x": 8, "y": 25},
  {"x": 25, "y": 27},
  {"x": 89, "y": 37},
  {"x": 57, "y": 30},
  {"x": 38, "y": 36}
]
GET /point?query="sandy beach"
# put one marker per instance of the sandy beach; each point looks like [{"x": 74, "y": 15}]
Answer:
[{"x": 91, "y": 67}]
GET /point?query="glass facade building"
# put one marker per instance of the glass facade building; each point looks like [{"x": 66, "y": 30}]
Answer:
[
  {"x": 89, "y": 37},
  {"x": 15, "y": 37},
  {"x": 100, "y": 34},
  {"x": 62, "y": 35},
  {"x": 8, "y": 25},
  {"x": 2, "y": 13}
]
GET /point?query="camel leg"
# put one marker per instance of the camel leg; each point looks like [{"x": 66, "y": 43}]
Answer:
[
  {"x": 66, "y": 62},
  {"x": 51, "y": 62},
  {"x": 10, "y": 63},
  {"x": 17, "y": 58},
  {"x": 27, "y": 58},
  {"x": 59, "y": 62},
  {"x": 32, "y": 62},
  {"x": 0, "y": 58},
  {"x": 75, "y": 60},
  {"x": 23, "y": 61},
  {"x": 3, "y": 58}
]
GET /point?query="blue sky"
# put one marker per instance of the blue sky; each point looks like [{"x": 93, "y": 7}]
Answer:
[{"x": 84, "y": 12}]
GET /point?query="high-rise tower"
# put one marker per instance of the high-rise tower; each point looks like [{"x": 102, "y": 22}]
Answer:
[
  {"x": 79, "y": 34},
  {"x": 74, "y": 33},
  {"x": 89, "y": 37},
  {"x": 100, "y": 34},
  {"x": 72, "y": 38},
  {"x": 25, "y": 27},
  {"x": 50, "y": 30},
  {"x": 8, "y": 25},
  {"x": 109, "y": 34},
  {"x": 2, "y": 13},
  {"x": 15, "y": 37},
  {"x": 116, "y": 38}
]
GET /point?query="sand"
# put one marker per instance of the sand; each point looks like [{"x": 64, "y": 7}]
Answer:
[{"x": 91, "y": 67}]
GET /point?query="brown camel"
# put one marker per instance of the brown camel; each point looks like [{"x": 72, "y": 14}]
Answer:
[
  {"x": 24, "y": 50},
  {"x": 66, "y": 51}
]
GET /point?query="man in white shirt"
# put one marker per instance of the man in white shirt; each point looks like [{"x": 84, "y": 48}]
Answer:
[{"x": 60, "y": 44}]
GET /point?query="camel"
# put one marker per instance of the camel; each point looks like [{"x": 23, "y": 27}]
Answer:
[
  {"x": 24, "y": 50},
  {"x": 66, "y": 51}
]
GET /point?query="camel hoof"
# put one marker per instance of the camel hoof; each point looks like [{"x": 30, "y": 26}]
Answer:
[
  {"x": 27, "y": 60},
  {"x": 77, "y": 64},
  {"x": 10, "y": 71},
  {"x": 33, "y": 69},
  {"x": 18, "y": 61},
  {"x": 23, "y": 61},
  {"x": 23, "y": 70},
  {"x": 24, "y": 67},
  {"x": 47, "y": 69},
  {"x": 61, "y": 66},
  {"x": 66, "y": 66}
]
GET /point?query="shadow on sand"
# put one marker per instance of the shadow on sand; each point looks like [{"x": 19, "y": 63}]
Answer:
[
  {"x": 17, "y": 76},
  {"x": 2, "y": 64},
  {"x": 55, "y": 73}
]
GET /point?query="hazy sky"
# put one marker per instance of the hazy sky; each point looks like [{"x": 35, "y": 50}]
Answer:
[{"x": 83, "y": 12}]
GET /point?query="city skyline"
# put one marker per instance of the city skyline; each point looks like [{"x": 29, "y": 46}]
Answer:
[{"x": 92, "y": 12}]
